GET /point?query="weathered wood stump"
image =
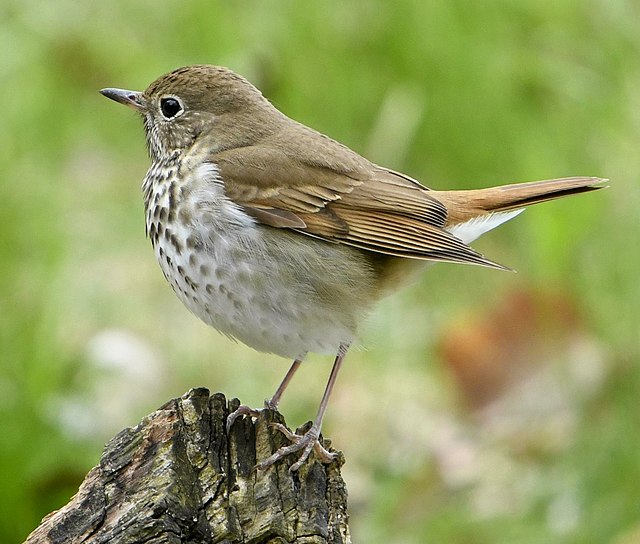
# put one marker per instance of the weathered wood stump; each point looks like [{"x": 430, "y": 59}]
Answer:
[{"x": 178, "y": 477}]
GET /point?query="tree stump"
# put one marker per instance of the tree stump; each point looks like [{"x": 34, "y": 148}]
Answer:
[{"x": 178, "y": 477}]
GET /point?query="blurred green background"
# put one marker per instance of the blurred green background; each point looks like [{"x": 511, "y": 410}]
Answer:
[{"x": 487, "y": 407}]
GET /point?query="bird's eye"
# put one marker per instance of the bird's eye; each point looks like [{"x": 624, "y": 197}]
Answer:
[{"x": 170, "y": 107}]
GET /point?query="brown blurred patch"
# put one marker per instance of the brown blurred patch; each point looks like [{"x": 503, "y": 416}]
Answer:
[{"x": 488, "y": 351}]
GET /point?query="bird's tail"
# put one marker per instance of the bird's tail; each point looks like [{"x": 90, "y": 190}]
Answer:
[
  {"x": 463, "y": 206},
  {"x": 472, "y": 213}
]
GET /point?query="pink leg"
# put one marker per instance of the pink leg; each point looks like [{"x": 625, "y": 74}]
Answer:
[
  {"x": 309, "y": 441},
  {"x": 273, "y": 402}
]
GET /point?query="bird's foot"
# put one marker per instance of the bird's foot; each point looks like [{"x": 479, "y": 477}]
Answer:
[
  {"x": 299, "y": 443},
  {"x": 244, "y": 410},
  {"x": 241, "y": 411}
]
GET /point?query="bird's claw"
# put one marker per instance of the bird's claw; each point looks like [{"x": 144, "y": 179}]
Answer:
[
  {"x": 306, "y": 442},
  {"x": 242, "y": 410}
]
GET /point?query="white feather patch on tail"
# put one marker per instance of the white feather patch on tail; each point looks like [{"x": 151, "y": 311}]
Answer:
[{"x": 472, "y": 229}]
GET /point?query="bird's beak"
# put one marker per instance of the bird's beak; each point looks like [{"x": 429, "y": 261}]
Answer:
[{"x": 133, "y": 99}]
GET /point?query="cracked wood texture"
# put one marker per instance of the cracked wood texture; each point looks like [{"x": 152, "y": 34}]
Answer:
[{"x": 178, "y": 477}]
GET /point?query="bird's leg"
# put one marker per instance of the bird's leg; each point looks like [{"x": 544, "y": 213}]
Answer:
[
  {"x": 310, "y": 440},
  {"x": 271, "y": 404}
]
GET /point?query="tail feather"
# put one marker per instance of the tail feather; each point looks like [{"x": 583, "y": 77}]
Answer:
[{"x": 463, "y": 206}]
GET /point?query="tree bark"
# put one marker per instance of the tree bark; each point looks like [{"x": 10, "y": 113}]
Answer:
[{"x": 178, "y": 477}]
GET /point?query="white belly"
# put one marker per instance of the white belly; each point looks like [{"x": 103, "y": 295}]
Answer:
[
  {"x": 272, "y": 290},
  {"x": 234, "y": 290}
]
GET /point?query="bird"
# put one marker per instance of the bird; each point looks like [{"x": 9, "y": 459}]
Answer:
[{"x": 283, "y": 238}]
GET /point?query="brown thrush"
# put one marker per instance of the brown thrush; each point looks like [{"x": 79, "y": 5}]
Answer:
[{"x": 283, "y": 238}]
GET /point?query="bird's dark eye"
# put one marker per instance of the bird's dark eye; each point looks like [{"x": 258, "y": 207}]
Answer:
[{"x": 170, "y": 107}]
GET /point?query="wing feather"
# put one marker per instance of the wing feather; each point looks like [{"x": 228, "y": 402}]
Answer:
[
  {"x": 403, "y": 236},
  {"x": 342, "y": 199}
]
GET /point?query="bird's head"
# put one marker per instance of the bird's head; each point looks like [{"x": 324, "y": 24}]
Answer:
[{"x": 200, "y": 105}]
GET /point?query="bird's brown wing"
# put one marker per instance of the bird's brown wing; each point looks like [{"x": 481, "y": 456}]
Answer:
[{"x": 343, "y": 199}]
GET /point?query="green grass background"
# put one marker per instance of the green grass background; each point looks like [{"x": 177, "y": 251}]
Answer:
[{"x": 458, "y": 94}]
